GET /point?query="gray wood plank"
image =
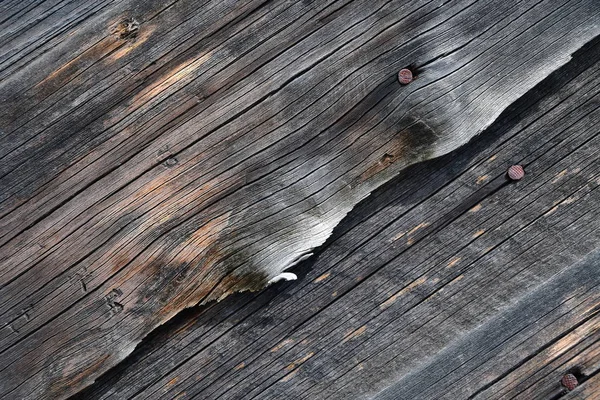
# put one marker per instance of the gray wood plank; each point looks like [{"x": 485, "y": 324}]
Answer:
[
  {"x": 217, "y": 145},
  {"x": 448, "y": 282},
  {"x": 559, "y": 319}
]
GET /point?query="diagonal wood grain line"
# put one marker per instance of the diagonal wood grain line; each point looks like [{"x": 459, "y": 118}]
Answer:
[
  {"x": 220, "y": 145},
  {"x": 583, "y": 277}
]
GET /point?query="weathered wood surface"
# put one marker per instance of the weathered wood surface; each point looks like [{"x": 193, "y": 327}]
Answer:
[
  {"x": 149, "y": 168},
  {"x": 447, "y": 283}
]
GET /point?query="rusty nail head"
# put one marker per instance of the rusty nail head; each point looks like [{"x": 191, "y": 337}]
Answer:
[
  {"x": 516, "y": 172},
  {"x": 569, "y": 381},
  {"x": 405, "y": 76}
]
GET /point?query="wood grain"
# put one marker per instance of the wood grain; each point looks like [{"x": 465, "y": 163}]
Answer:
[
  {"x": 145, "y": 170},
  {"x": 442, "y": 284}
]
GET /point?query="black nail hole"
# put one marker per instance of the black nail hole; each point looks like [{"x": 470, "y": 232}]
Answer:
[
  {"x": 387, "y": 157},
  {"x": 577, "y": 372}
]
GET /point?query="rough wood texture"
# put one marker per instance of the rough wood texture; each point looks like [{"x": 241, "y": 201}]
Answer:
[
  {"x": 448, "y": 282},
  {"x": 159, "y": 155}
]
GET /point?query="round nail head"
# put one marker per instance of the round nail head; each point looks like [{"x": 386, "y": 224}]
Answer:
[
  {"x": 405, "y": 76},
  {"x": 516, "y": 172},
  {"x": 569, "y": 381}
]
